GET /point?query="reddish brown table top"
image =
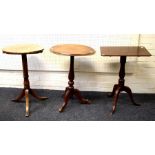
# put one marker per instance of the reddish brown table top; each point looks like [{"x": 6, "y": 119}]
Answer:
[
  {"x": 72, "y": 50},
  {"x": 124, "y": 51}
]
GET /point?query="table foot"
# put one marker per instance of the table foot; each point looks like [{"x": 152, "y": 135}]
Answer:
[
  {"x": 36, "y": 96},
  {"x": 18, "y": 99},
  {"x": 27, "y": 103},
  {"x": 63, "y": 95},
  {"x": 128, "y": 90},
  {"x": 80, "y": 98},
  {"x": 113, "y": 91},
  {"x": 67, "y": 95},
  {"x": 22, "y": 94},
  {"x": 116, "y": 95},
  {"x": 26, "y": 93},
  {"x": 69, "y": 92}
]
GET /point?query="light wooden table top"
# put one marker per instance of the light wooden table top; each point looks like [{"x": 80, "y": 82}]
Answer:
[
  {"x": 23, "y": 49},
  {"x": 124, "y": 51},
  {"x": 72, "y": 50}
]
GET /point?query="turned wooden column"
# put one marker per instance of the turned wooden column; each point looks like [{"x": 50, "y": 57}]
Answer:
[
  {"x": 27, "y": 90},
  {"x": 121, "y": 85},
  {"x": 71, "y": 73},
  {"x": 25, "y": 72},
  {"x": 70, "y": 90},
  {"x": 122, "y": 71}
]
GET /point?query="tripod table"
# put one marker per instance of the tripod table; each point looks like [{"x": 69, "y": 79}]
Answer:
[
  {"x": 72, "y": 50},
  {"x": 23, "y": 50},
  {"x": 123, "y": 52}
]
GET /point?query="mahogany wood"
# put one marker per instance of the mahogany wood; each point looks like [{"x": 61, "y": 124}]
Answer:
[
  {"x": 122, "y": 52},
  {"x": 72, "y": 50},
  {"x": 70, "y": 90},
  {"x": 120, "y": 86},
  {"x": 27, "y": 90}
]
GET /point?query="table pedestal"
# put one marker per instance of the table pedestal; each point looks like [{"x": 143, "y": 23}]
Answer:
[
  {"x": 27, "y": 90},
  {"x": 120, "y": 86},
  {"x": 70, "y": 90}
]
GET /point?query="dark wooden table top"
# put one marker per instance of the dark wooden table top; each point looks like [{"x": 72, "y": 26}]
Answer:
[{"x": 124, "y": 51}]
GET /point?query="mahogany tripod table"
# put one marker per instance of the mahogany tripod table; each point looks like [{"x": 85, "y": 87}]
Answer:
[
  {"x": 72, "y": 50},
  {"x": 123, "y": 52},
  {"x": 23, "y": 50}
]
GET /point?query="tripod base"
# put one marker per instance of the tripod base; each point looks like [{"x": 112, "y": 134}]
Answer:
[
  {"x": 69, "y": 92},
  {"x": 117, "y": 89},
  {"x": 26, "y": 93}
]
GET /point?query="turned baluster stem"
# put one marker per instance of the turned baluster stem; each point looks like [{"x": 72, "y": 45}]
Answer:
[
  {"x": 71, "y": 73},
  {"x": 122, "y": 71},
  {"x": 25, "y": 72}
]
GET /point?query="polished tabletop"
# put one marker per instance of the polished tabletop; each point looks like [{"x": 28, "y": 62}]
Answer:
[
  {"x": 72, "y": 50},
  {"x": 23, "y": 49},
  {"x": 124, "y": 51}
]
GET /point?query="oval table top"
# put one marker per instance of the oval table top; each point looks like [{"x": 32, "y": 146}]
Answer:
[
  {"x": 23, "y": 49},
  {"x": 72, "y": 50}
]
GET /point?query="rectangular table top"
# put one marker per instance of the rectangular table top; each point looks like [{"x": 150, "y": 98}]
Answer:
[{"x": 124, "y": 51}]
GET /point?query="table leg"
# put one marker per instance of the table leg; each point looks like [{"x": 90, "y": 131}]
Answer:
[
  {"x": 120, "y": 86},
  {"x": 17, "y": 99},
  {"x": 27, "y": 102},
  {"x": 70, "y": 91},
  {"x": 113, "y": 91},
  {"x": 27, "y": 90}
]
